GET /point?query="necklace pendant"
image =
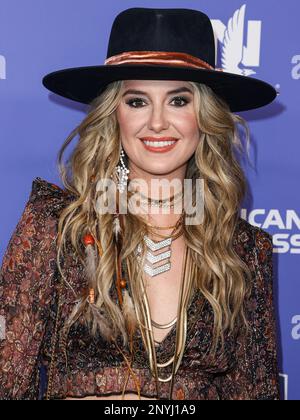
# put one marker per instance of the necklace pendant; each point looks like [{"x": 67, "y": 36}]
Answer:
[
  {"x": 152, "y": 272},
  {"x": 152, "y": 259},
  {"x": 155, "y": 246}
]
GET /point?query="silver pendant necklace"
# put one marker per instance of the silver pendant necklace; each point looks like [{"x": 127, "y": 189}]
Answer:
[
  {"x": 153, "y": 259},
  {"x": 161, "y": 256}
]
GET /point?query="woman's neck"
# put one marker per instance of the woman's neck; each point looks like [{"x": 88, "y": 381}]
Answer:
[{"x": 157, "y": 186}]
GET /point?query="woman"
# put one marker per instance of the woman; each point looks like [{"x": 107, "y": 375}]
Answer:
[{"x": 144, "y": 304}]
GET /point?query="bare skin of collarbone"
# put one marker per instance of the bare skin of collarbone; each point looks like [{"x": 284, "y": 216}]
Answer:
[{"x": 163, "y": 296}]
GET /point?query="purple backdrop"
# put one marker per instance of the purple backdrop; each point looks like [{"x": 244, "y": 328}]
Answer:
[{"x": 37, "y": 37}]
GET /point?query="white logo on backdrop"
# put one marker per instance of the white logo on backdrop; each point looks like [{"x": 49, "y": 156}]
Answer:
[
  {"x": 285, "y": 380},
  {"x": 296, "y": 328},
  {"x": 2, "y": 67},
  {"x": 284, "y": 243},
  {"x": 237, "y": 57}
]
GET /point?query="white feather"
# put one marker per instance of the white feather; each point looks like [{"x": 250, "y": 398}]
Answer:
[
  {"x": 129, "y": 311},
  {"x": 91, "y": 262},
  {"x": 116, "y": 227},
  {"x": 103, "y": 324}
]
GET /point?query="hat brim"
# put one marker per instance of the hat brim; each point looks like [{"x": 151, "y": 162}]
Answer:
[{"x": 83, "y": 84}]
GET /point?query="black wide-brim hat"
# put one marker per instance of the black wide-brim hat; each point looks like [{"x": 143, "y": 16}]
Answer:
[{"x": 161, "y": 44}]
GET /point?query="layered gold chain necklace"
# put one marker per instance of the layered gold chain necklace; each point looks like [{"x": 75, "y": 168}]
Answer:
[
  {"x": 156, "y": 246},
  {"x": 166, "y": 254},
  {"x": 187, "y": 275},
  {"x": 163, "y": 203}
]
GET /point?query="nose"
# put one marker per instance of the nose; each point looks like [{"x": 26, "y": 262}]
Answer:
[{"x": 157, "y": 120}]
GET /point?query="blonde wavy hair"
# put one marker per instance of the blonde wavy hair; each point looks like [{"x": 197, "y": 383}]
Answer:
[{"x": 222, "y": 276}]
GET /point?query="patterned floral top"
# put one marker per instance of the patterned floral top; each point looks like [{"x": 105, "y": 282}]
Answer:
[{"x": 85, "y": 365}]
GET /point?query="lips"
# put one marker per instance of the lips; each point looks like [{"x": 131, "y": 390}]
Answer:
[
  {"x": 159, "y": 139},
  {"x": 156, "y": 147}
]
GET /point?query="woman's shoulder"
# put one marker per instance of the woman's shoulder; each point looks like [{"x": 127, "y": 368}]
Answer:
[
  {"x": 48, "y": 197},
  {"x": 248, "y": 237}
]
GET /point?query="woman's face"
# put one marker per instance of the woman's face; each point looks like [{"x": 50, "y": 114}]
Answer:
[{"x": 154, "y": 111}]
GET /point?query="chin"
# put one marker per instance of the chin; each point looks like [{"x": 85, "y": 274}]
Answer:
[{"x": 159, "y": 171}]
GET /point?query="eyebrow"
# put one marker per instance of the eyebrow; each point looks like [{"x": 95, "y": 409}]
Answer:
[{"x": 139, "y": 92}]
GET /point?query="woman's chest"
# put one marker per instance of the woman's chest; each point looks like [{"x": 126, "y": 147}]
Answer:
[{"x": 163, "y": 294}]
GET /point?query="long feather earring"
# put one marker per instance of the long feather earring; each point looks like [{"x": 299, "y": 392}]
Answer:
[
  {"x": 125, "y": 299},
  {"x": 91, "y": 266},
  {"x": 98, "y": 316}
]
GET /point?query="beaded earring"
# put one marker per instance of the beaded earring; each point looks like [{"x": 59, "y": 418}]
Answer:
[
  {"x": 124, "y": 297},
  {"x": 122, "y": 173},
  {"x": 117, "y": 230},
  {"x": 125, "y": 301},
  {"x": 89, "y": 243}
]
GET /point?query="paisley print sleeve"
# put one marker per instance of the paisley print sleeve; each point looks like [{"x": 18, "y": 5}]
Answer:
[
  {"x": 26, "y": 293},
  {"x": 255, "y": 375}
]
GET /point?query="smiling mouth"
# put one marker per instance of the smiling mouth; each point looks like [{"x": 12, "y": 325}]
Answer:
[
  {"x": 158, "y": 143},
  {"x": 159, "y": 146}
]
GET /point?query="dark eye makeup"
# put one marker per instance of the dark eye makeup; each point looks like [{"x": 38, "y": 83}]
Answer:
[{"x": 131, "y": 101}]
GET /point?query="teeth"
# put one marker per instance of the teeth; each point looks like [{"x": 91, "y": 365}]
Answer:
[{"x": 158, "y": 143}]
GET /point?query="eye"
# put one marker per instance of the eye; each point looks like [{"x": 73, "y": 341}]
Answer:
[
  {"x": 181, "y": 99},
  {"x": 132, "y": 101}
]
